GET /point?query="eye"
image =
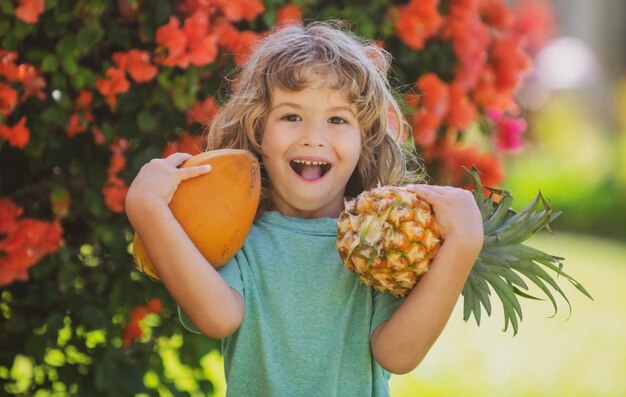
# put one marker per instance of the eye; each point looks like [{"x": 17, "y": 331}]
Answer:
[
  {"x": 337, "y": 120},
  {"x": 291, "y": 117}
]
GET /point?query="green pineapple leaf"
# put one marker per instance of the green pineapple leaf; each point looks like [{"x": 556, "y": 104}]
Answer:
[{"x": 504, "y": 263}]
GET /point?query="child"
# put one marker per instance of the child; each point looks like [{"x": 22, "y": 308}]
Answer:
[{"x": 313, "y": 104}]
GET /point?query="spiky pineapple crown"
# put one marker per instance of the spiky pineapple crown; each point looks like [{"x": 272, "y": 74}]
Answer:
[{"x": 503, "y": 260}]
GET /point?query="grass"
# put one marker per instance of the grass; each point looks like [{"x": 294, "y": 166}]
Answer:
[{"x": 582, "y": 354}]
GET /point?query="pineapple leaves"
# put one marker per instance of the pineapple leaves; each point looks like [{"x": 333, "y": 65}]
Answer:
[{"x": 505, "y": 263}]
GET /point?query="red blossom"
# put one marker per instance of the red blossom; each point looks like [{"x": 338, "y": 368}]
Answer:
[
  {"x": 8, "y": 67},
  {"x": 137, "y": 64},
  {"x": 186, "y": 143},
  {"x": 470, "y": 41},
  {"x": 114, "y": 192},
  {"x": 113, "y": 84},
  {"x": 171, "y": 38},
  {"x": 289, "y": 14},
  {"x": 23, "y": 242},
  {"x": 118, "y": 162},
  {"x": 236, "y": 10},
  {"x": 535, "y": 22},
  {"x": 461, "y": 110},
  {"x": 8, "y": 99},
  {"x": 457, "y": 159},
  {"x": 497, "y": 14},
  {"x": 417, "y": 22},
  {"x": 202, "y": 46},
  {"x": 510, "y": 61},
  {"x": 18, "y": 136},
  {"x": 243, "y": 47},
  {"x": 33, "y": 83},
  {"x": 433, "y": 106},
  {"x": 155, "y": 305},
  {"x": 203, "y": 111},
  {"x": 192, "y": 44},
  {"x": 82, "y": 116},
  {"x": 133, "y": 330},
  {"x": 509, "y": 130},
  {"x": 29, "y": 10}
]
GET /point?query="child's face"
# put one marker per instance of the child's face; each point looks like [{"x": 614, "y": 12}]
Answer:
[{"x": 311, "y": 145}]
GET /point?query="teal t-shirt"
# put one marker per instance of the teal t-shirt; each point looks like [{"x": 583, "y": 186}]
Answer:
[{"x": 307, "y": 323}]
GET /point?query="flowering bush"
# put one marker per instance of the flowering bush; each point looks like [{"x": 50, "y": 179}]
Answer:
[{"x": 91, "y": 90}]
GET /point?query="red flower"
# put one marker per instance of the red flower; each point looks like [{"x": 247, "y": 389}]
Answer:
[
  {"x": 130, "y": 333},
  {"x": 18, "y": 135},
  {"x": 23, "y": 242},
  {"x": 192, "y": 44},
  {"x": 417, "y": 22},
  {"x": 203, "y": 111},
  {"x": 9, "y": 212},
  {"x": 202, "y": 46},
  {"x": 497, "y": 14},
  {"x": 84, "y": 100},
  {"x": 133, "y": 329},
  {"x": 172, "y": 38},
  {"x": 80, "y": 120},
  {"x": 115, "y": 83},
  {"x": 509, "y": 60},
  {"x": 461, "y": 111},
  {"x": 470, "y": 41},
  {"x": 509, "y": 130},
  {"x": 8, "y": 68},
  {"x": 155, "y": 305},
  {"x": 236, "y": 10},
  {"x": 434, "y": 103},
  {"x": 289, "y": 14},
  {"x": 8, "y": 99},
  {"x": 33, "y": 83},
  {"x": 29, "y": 10},
  {"x": 114, "y": 192},
  {"x": 243, "y": 47},
  {"x": 535, "y": 22},
  {"x": 137, "y": 64},
  {"x": 186, "y": 143},
  {"x": 457, "y": 159}
]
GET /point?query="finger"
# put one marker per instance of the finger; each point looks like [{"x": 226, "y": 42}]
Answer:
[
  {"x": 426, "y": 192},
  {"x": 192, "y": 172},
  {"x": 425, "y": 189},
  {"x": 178, "y": 158}
]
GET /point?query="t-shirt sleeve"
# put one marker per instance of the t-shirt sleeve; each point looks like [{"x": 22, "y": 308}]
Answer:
[
  {"x": 231, "y": 274},
  {"x": 385, "y": 305}
]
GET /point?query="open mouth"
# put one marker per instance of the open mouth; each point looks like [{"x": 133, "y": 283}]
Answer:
[{"x": 309, "y": 169}]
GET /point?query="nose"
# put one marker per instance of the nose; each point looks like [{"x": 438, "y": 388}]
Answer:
[{"x": 314, "y": 135}]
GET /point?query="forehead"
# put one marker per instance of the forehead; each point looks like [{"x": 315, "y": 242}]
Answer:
[
  {"x": 317, "y": 98},
  {"x": 315, "y": 87}
]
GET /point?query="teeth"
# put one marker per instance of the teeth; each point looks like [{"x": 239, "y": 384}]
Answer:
[{"x": 307, "y": 162}]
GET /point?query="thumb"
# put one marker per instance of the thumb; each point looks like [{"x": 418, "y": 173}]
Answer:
[{"x": 192, "y": 172}]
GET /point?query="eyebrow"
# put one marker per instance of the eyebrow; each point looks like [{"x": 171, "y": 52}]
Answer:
[{"x": 297, "y": 106}]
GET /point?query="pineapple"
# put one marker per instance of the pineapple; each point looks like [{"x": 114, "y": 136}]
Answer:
[{"x": 388, "y": 237}]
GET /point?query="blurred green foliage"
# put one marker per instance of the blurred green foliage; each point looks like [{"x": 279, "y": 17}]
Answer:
[{"x": 576, "y": 154}]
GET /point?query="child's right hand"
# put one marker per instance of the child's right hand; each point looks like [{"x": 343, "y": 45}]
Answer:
[{"x": 157, "y": 181}]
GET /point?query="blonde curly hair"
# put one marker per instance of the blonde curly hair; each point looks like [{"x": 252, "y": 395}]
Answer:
[{"x": 349, "y": 63}]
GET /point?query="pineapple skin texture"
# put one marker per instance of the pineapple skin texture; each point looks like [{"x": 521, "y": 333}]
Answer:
[{"x": 388, "y": 237}]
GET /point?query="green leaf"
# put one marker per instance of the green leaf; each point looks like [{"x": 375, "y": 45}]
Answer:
[
  {"x": 50, "y": 63},
  {"x": 146, "y": 121},
  {"x": 66, "y": 46},
  {"x": 88, "y": 36},
  {"x": 69, "y": 64}
]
